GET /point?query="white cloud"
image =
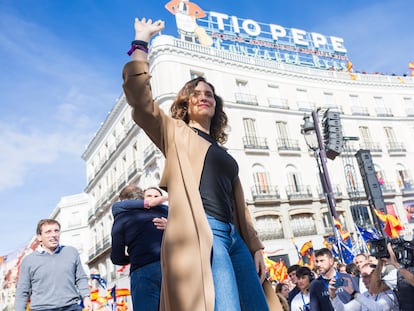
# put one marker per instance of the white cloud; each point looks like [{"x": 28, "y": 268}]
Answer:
[
  {"x": 52, "y": 100},
  {"x": 23, "y": 151}
]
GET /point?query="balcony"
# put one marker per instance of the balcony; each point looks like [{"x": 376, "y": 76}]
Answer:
[
  {"x": 265, "y": 193},
  {"x": 151, "y": 153},
  {"x": 286, "y": 144},
  {"x": 336, "y": 189},
  {"x": 349, "y": 148},
  {"x": 409, "y": 111},
  {"x": 299, "y": 193},
  {"x": 356, "y": 193},
  {"x": 359, "y": 111},
  {"x": 246, "y": 99},
  {"x": 383, "y": 112},
  {"x": 371, "y": 146},
  {"x": 304, "y": 105},
  {"x": 277, "y": 102},
  {"x": 396, "y": 148},
  {"x": 302, "y": 225},
  {"x": 334, "y": 107},
  {"x": 254, "y": 142},
  {"x": 91, "y": 215},
  {"x": 388, "y": 189},
  {"x": 101, "y": 248},
  {"x": 407, "y": 188},
  {"x": 121, "y": 181}
]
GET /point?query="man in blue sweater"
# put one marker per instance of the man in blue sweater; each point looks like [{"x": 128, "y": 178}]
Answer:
[
  {"x": 52, "y": 276},
  {"x": 136, "y": 239},
  {"x": 319, "y": 289}
]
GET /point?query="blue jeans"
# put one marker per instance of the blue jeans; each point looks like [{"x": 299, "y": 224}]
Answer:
[
  {"x": 146, "y": 287},
  {"x": 236, "y": 283}
]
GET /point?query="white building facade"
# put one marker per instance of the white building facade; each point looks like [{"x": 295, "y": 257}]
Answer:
[{"x": 265, "y": 101}]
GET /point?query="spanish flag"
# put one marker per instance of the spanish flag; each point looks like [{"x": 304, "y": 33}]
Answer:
[
  {"x": 307, "y": 254},
  {"x": 411, "y": 67},
  {"x": 392, "y": 224},
  {"x": 270, "y": 267},
  {"x": 349, "y": 66},
  {"x": 94, "y": 294},
  {"x": 281, "y": 271},
  {"x": 344, "y": 234}
]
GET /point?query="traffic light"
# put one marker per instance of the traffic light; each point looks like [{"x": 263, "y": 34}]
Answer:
[{"x": 332, "y": 133}]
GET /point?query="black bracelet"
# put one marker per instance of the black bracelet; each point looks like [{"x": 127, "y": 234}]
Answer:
[
  {"x": 141, "y": 43},
  {"x": 142, "y": 47}
]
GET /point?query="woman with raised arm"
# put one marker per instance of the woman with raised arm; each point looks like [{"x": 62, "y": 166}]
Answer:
[{"x": 211, "y": 256}]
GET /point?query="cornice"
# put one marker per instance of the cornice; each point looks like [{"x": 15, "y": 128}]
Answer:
[
  {"x": 106, "y": 125},
  {"x": 167, "y": 45}
]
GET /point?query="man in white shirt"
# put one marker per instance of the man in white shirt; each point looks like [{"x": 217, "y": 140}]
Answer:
[{"x": 367, "y": 301}]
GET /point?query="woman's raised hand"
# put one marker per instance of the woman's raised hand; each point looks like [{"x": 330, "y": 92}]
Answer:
[{"x": 145, "y": 29}]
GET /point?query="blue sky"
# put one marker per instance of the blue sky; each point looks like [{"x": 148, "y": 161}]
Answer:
[{"x": 61, "y": 63}]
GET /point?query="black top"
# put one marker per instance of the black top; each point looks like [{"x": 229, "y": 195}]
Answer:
[{"x": 216, "y": 185}]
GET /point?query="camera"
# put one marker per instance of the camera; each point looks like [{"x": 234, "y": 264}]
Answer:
[{"x": 404, "y": 250}]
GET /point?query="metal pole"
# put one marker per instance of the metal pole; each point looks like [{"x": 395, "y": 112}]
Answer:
[{"x": 326, "y": 182}]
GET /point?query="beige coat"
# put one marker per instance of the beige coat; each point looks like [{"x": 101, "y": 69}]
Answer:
[{"x": 186, "y": 249}]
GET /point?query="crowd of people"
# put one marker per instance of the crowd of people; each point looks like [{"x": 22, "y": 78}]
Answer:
[
  {"x": 201, "y": 252},
  {"x": 366, "y": 284}
]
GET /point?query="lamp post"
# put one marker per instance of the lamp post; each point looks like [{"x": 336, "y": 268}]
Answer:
[{"x": 313, "y": 137}]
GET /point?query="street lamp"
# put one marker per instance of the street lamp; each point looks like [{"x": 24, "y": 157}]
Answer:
[{"x": 312, "y": 134}]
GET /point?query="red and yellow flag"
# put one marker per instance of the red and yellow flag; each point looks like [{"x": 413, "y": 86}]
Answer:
[
  {"x": 392, "y": 224},
  {"x": 277, "y": 270},
  {"x": 349, "y": 66},
  {"x": 307, "y": 254},
  {"x": 344, "y": 234}
]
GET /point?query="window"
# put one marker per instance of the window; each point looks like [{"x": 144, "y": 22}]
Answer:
[
  {"x": 269, "y": 227},
  {"x": 281, "y": 130},
  {"x": 409, "y": 106},
  {"x": 361, "y": 216},
  {"x": 294, "y": 180},
  {"x": 389, "y": 132},
  {"x": 251, "y": 140},
  {"x": 275, "y": 99},
  {"x": 365, "y": 134},
  {"x": 249, "y": 127},
  {"x": 75, "y": 219},
  {"x": 409, "y": 208},
  {"x": 195, "y": 74},
  {"x": 354, "y": 100},
  {"x": 303, "y": 100},
  {"x": 329, "y": 100},
  {"x": 302, "y": 224},
  {"x": 242, "y": 87},
  {"x": 261, "y": 179},
  {"x": 366, "y": 140},
  {"x": 403, "y": 178},
  {"x": 356, "y": 106},
  {"x": 352, "y": 181},
  {"x": 381, "y": 108},
  {"x": 243, "y": 95}
]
